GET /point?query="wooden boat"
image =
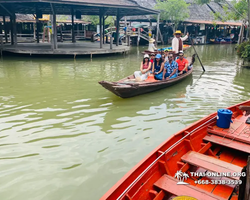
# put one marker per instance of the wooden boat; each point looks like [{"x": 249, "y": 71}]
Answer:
[
  {"x": 125, "y": 88},
  {"x": 185, "y": 47},
  {"x": 186, "y": 163}
]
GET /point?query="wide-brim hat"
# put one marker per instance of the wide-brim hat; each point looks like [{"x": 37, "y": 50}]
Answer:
[
  {"x": 151, "y": 40},
  {"x": 178, "y": 32}
]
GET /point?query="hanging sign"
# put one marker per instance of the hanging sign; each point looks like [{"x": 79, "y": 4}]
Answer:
[{"x": 202, "y": 27}]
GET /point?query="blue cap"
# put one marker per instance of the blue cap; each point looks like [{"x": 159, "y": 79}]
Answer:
[{"x": 158, "y": 56}]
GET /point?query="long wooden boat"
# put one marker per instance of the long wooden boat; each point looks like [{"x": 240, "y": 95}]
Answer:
[
  {"x": 202, "y": 161},
  {"x": 125, "y": 88},
  {"x": 185, "y": 47}
]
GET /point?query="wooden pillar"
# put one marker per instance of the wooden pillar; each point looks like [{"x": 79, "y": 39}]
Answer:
[
  {"x": 11, "y": 31},
  {"x": 111, "y": 40},
  {"x": 103, "y": 28},
  {"x": 14, "y": 29},
  {"x": 241, "y": 34},
  {"x": 54, "y": 28},
  {"x": 117, "y": 26},
  {"x": 37, "y": 29},
  {"x": 100, "y": 28},
  {"x": 73, "y": 26},
  {"x": 139, "y": 36},
  {"x": 157, "y": 30},
  {"x": 5, "y": 30}
]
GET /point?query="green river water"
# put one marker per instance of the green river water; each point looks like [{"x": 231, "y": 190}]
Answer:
[{"x": 63, "y": 136}]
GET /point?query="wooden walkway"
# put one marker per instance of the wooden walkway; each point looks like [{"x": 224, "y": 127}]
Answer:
[{"x": 81, "y": 48}]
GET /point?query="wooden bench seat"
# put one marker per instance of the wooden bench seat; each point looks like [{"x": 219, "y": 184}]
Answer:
[
  {"x": 169, "y": 184},
  {"x": 210, "y": 163},
  {"x": 228, "y": 143}
]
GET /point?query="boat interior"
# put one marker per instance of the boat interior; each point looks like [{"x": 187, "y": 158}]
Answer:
[{"x": 206, "y": 148}]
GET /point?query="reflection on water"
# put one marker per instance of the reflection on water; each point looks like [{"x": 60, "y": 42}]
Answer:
[{"x": 63, "y": 136}]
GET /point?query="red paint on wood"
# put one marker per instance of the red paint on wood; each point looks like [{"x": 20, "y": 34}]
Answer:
[
  {"x": 210, "y": 163},
  {"x": 169, "y": 184}
]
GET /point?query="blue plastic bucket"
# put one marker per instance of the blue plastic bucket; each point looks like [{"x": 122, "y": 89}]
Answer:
[{"x": 224, "y": 117}]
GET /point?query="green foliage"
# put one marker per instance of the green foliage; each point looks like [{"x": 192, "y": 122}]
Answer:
[
  {"x": 206, "y": 1},
  {"x": 94, "y": 19},
  {"x": 243, "y": 50},
  {"x": 230, "y": 13},
  {"x": 174, "y": 10},
  {"x": 246, "y": 52}
]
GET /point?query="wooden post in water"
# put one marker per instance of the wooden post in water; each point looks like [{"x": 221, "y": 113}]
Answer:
[
  {"x": 5, "y": 30},
  {"x": 247, "y": 190}
]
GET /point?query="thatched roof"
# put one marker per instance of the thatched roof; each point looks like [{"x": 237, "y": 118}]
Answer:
[
  {"x": 203, "y": 13},
  {"x": 86, "y": 7}
]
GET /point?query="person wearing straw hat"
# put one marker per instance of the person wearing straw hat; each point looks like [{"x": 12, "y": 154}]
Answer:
[
  {"x": 151, "y": 46},
  {"x": 177, "y": 42},
  {"x": 144, "y": 70}
]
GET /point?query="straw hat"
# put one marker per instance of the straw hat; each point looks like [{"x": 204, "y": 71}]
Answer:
[
  {"x": 151, "y": 40},
  {"x": 178, "y": 32}
]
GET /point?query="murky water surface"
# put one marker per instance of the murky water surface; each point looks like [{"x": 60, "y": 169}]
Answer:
[{"x": 63, "y": 136}]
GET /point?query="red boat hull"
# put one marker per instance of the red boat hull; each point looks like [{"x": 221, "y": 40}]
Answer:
[{"x": 201, "y": 146}]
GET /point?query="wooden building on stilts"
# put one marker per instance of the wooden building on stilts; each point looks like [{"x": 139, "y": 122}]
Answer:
[{"x": 75, "y": 9}]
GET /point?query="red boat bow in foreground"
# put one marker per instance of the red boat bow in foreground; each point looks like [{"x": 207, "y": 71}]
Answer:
[{"x": 202, "y": 161}]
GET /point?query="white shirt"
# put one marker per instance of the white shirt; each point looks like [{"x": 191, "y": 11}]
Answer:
[
  {"x": 175, "y": 43},
  {"x": 151, "y": 47}
]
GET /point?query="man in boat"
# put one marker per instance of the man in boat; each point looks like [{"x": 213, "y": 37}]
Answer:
[
  {"x": 182, "y": 63},
  {"x": 151, "y": 46},
  {"x": 170, "y": 68},
  {"x": 177, "y": 42}
]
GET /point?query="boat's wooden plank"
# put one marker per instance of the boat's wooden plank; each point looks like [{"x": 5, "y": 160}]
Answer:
[
  {"x": 228, "y": 143},
  {"x": 206, "y": 187},
  {"x": 210, "y": 163},
  {"x": 242, "y": 134},
  {"x": 227, "y": 155},
  {"x": 240, "y": 160},
  {"x": 223, "y": 191},
  {"x": 169, "y": 184}
]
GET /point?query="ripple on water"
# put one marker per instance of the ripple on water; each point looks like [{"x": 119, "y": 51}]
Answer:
[{"x": 58, "y": 124}]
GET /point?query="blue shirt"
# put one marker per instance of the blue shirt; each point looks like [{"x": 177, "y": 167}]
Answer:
[{"x": 171, "y": 67}]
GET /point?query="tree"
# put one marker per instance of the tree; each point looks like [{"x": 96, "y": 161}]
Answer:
[
  {"x": 94, "y": 19},
  {"x": 174, "y": 10}
]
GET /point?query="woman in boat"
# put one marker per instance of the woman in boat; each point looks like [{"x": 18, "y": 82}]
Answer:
[
  {"x": 145, "y": 69},
  {"x": 158, "y": 67}
]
